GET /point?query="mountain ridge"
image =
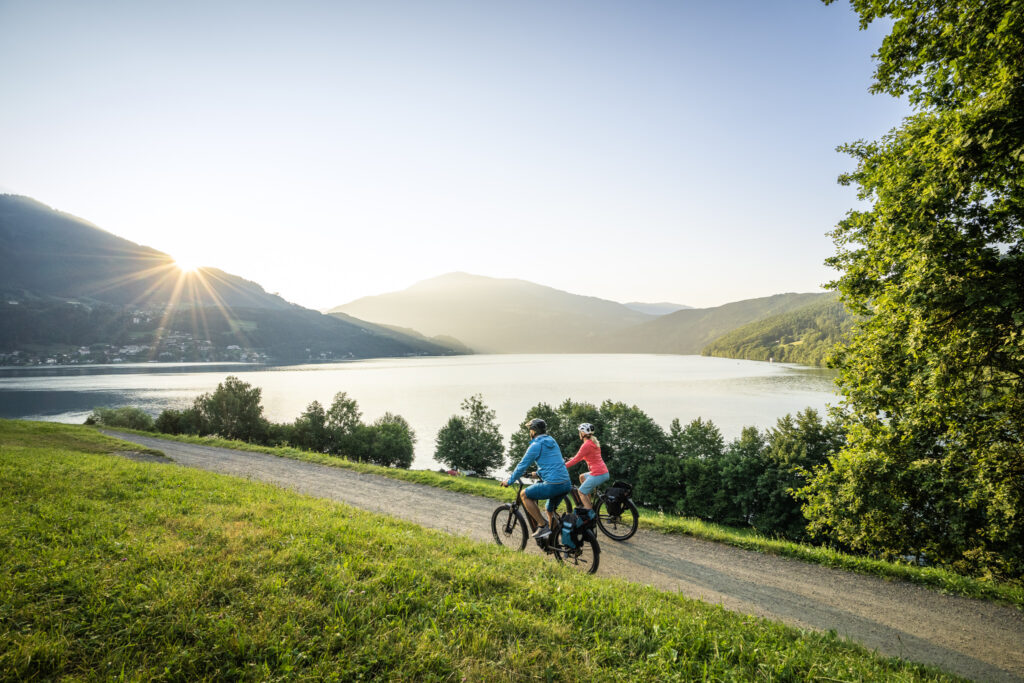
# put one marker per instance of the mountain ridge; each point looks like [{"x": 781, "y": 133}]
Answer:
[
  {"x": 497, "y": 315},
  {"x": 68, "y": 281},
  {"x": 69, "y": 285},
  {"x": 503, "y": 312},
  {"x": 658, "y": 308},
  {"x": 689, "y": 330},
  {"x": 805, "y": 335}
]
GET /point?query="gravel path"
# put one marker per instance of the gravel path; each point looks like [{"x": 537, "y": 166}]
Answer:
[{"x": 972, "y": 638}]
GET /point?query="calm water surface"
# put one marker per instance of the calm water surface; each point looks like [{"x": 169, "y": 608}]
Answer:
[{"x": 427, "y": 391}]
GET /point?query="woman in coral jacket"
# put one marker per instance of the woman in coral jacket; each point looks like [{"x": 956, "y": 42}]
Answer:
[{"x": 598, "y": 474}]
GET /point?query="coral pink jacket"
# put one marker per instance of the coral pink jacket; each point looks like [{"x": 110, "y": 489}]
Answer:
[{"x": 590, "y": 452}]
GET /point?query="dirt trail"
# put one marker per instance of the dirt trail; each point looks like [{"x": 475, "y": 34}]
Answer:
[{"x": 972, "y": 638}]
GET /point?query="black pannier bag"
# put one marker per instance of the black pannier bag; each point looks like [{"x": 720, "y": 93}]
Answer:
[{"x": 616, "y": 497}]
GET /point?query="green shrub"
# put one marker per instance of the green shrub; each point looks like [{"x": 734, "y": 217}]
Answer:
[
  {"x": 172, "y": 421},
  {"x": 128, "y": 417}
]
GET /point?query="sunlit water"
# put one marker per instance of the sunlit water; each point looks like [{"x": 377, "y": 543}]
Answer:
[{"x": 427, "y": 391}]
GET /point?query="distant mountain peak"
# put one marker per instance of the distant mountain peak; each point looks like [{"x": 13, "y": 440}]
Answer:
[
  {"x": 659, "y": 308},
  {"x": 503, "y": 315}
]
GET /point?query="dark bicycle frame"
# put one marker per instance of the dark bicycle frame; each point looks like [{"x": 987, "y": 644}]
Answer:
[
  {"x": 551, "y": 544},
  {"x": 598, "y": 500}
]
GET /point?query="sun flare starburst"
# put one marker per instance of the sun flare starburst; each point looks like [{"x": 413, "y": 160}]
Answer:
[{"x": 186, "y": 265}]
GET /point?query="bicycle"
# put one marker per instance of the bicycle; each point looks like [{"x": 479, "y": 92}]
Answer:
[
  {"x": 511, "y": 530},
  {"x": 616, "y": 514}
]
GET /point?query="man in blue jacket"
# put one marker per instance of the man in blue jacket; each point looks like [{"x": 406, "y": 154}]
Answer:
[{"x": 555, "y": 481}]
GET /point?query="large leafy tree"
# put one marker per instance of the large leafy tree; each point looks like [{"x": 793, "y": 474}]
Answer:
[
  {"x": 233, "y": 411},
  {"x": 932, "y": 380},
  {"x": 630, "y": 439},
  {"x": 796, "y": 446},
  {"x": 471, "y": 441},
  {"x": 394, "y": 442},
  {"x": 310, "y": 429}
]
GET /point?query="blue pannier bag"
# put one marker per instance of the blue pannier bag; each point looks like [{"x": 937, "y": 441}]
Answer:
[{"x": 573, "y": 526}]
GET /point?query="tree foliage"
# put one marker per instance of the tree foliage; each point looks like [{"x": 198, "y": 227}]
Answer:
[
  {"x": 932, "y": 380},
  {"x": 471, "y": 441},
  {"x": 343, "y": 417},
  {"x": 310, "y": 431},
  {"x": 394, "y": 441},
  {"x": 233, "y": 411},
  {"x": 691, "y": 470}
]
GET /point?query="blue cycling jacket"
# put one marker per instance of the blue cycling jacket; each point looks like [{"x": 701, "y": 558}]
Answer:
[{"x": 545, "y": 452}]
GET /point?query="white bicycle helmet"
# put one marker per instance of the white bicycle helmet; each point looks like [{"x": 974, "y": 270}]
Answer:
[{"x": 587, "y": 428}]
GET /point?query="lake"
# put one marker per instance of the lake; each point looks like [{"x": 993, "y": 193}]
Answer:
[{"x": 428, "y": 390}]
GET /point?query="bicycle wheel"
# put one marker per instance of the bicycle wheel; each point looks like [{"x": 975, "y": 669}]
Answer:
[
  {"x": 509, "y": 528},
  {"x": 621, "y": 526},
  {"x": 584, "y": 559}
]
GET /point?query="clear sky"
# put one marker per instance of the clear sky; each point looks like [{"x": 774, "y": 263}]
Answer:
[{"x": 644, "y": 150}]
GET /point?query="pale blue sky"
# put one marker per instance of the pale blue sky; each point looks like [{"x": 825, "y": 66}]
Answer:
[{"x": 641, "y": 150}]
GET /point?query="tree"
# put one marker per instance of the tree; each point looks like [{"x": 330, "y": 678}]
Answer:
[
  {"x": 453, "y": 444},
  {"x": 630, "y": 440},
  {"x": 310, "y": 431},
  {"x": 742, "y": 464},
  {"x": 393, "y": 442},
  {"x": 661, "y": 483},
  {"x": 471, "y": 441},
  {"x": 933, "y": 379},
  {"x": 699, "y": 446},
  {"x": 390, "y": 445},
  {"x": 343, "y": 423},
  {"x": 343, "y": 416},
  {"x": 796, "y": 446},
  {"x": 233, "y": 411},
  {"x": 700, "y": 439}
]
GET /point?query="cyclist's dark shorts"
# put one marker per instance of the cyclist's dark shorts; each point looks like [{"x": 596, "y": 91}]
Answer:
[{"x": 552, "y": 492}]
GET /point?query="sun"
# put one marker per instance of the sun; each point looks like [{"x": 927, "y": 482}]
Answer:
[{"x": 186, "y": 265}]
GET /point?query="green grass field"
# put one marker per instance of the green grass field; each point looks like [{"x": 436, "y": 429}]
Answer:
[
  {"x": 931, "y": 577},
  {"x": 118, "y": 570}
]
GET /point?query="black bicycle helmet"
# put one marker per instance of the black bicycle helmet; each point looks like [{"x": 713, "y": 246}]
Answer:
[{"x": 538, "y": 425}]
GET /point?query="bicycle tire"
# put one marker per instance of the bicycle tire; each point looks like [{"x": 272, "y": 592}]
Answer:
[
  {"x": 618, "y": 527},
  {"x": 509, "y": 528},
  {"x": 585, "y": 559}
]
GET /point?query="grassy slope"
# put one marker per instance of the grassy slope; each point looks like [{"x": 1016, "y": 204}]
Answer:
[
  {"x": 115, "y": 569},
  {"x": 941, "y": 579}
]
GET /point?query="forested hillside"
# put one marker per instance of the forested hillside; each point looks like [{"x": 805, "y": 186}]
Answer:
[
  {"x": 804, "y": 336},
  {"x": 689, "y": 331},
  {"x": 45, "y": 252}
]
